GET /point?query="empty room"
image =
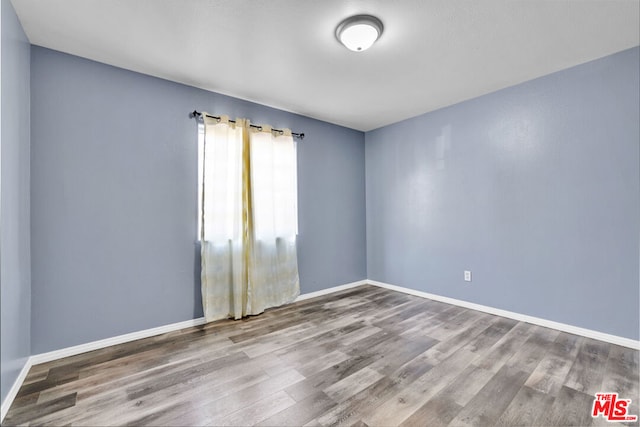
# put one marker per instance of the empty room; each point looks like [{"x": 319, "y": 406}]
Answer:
[{"x": 317, "y": 213}]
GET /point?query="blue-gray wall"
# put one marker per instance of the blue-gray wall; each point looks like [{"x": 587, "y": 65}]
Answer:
[
  {"x": 15, "y": 270},
  {"x": 534, "y": 188},
  {"x": 114, "y": 199}
]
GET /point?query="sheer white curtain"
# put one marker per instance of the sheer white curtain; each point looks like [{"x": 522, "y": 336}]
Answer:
[
  {"x": 249, "y": 219},
  {"x": 223, "y": 245},
  {"x": 274, "y": 266}
]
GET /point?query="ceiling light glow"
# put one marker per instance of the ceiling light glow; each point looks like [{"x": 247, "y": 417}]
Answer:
[{"x": 360, "y": 32}]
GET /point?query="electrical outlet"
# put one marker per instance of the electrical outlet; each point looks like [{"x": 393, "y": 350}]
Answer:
[{"x": 467, "y": 276}]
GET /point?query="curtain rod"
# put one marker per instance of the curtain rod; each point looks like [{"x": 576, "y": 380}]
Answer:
[{"x": 196, "y": 113}]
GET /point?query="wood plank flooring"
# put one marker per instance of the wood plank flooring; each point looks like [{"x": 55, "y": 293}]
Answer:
[{"x": 366, "y": 356}]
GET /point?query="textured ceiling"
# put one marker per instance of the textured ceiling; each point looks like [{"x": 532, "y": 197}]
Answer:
[{"x": 284, "y": 53}]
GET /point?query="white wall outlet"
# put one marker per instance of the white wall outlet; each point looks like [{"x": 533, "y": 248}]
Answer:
[{"x": 467, "y": 276}]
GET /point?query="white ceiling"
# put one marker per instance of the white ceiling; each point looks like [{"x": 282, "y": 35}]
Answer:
[{"x": 284, "y": 53}]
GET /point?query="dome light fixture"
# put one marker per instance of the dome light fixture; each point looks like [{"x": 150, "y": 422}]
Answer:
[{"x": 359, "y": 32}]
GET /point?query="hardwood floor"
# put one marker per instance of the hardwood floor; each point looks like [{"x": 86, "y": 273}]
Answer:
[{"x": 362, "y": 357}]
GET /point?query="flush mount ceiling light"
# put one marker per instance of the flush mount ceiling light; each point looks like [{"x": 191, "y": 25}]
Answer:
[{"x": 359, "y": 32}]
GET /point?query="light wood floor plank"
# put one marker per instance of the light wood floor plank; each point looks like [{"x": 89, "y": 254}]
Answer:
[
  {"x": 487, "y": 406},
  {"x": 526, "y": 408},
  {"x": 301, "y": 412}
]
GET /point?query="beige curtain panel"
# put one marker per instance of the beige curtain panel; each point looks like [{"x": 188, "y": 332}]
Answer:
[{"x": 248, "y": 219}]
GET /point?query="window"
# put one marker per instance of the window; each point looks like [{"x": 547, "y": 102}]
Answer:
[{"x": 272, "y": 179}]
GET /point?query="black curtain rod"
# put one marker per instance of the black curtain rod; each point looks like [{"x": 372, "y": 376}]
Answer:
[{"x": 196, "y": 113}]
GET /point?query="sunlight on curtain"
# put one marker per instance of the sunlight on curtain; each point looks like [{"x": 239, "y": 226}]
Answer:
[
  {"x": 222, "y": 171},
  {"x": 274, "y": 266},
  {"x": 248, "y": 219},
  {"x": 222, "y": 242}
]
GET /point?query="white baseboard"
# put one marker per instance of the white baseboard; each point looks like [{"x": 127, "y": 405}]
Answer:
[
  {"x": 120, "y": 339},
  {"x": 303, "y": 297},
  {"x": 589, "y": 333},
  {"x": 13, "y": 391}
]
